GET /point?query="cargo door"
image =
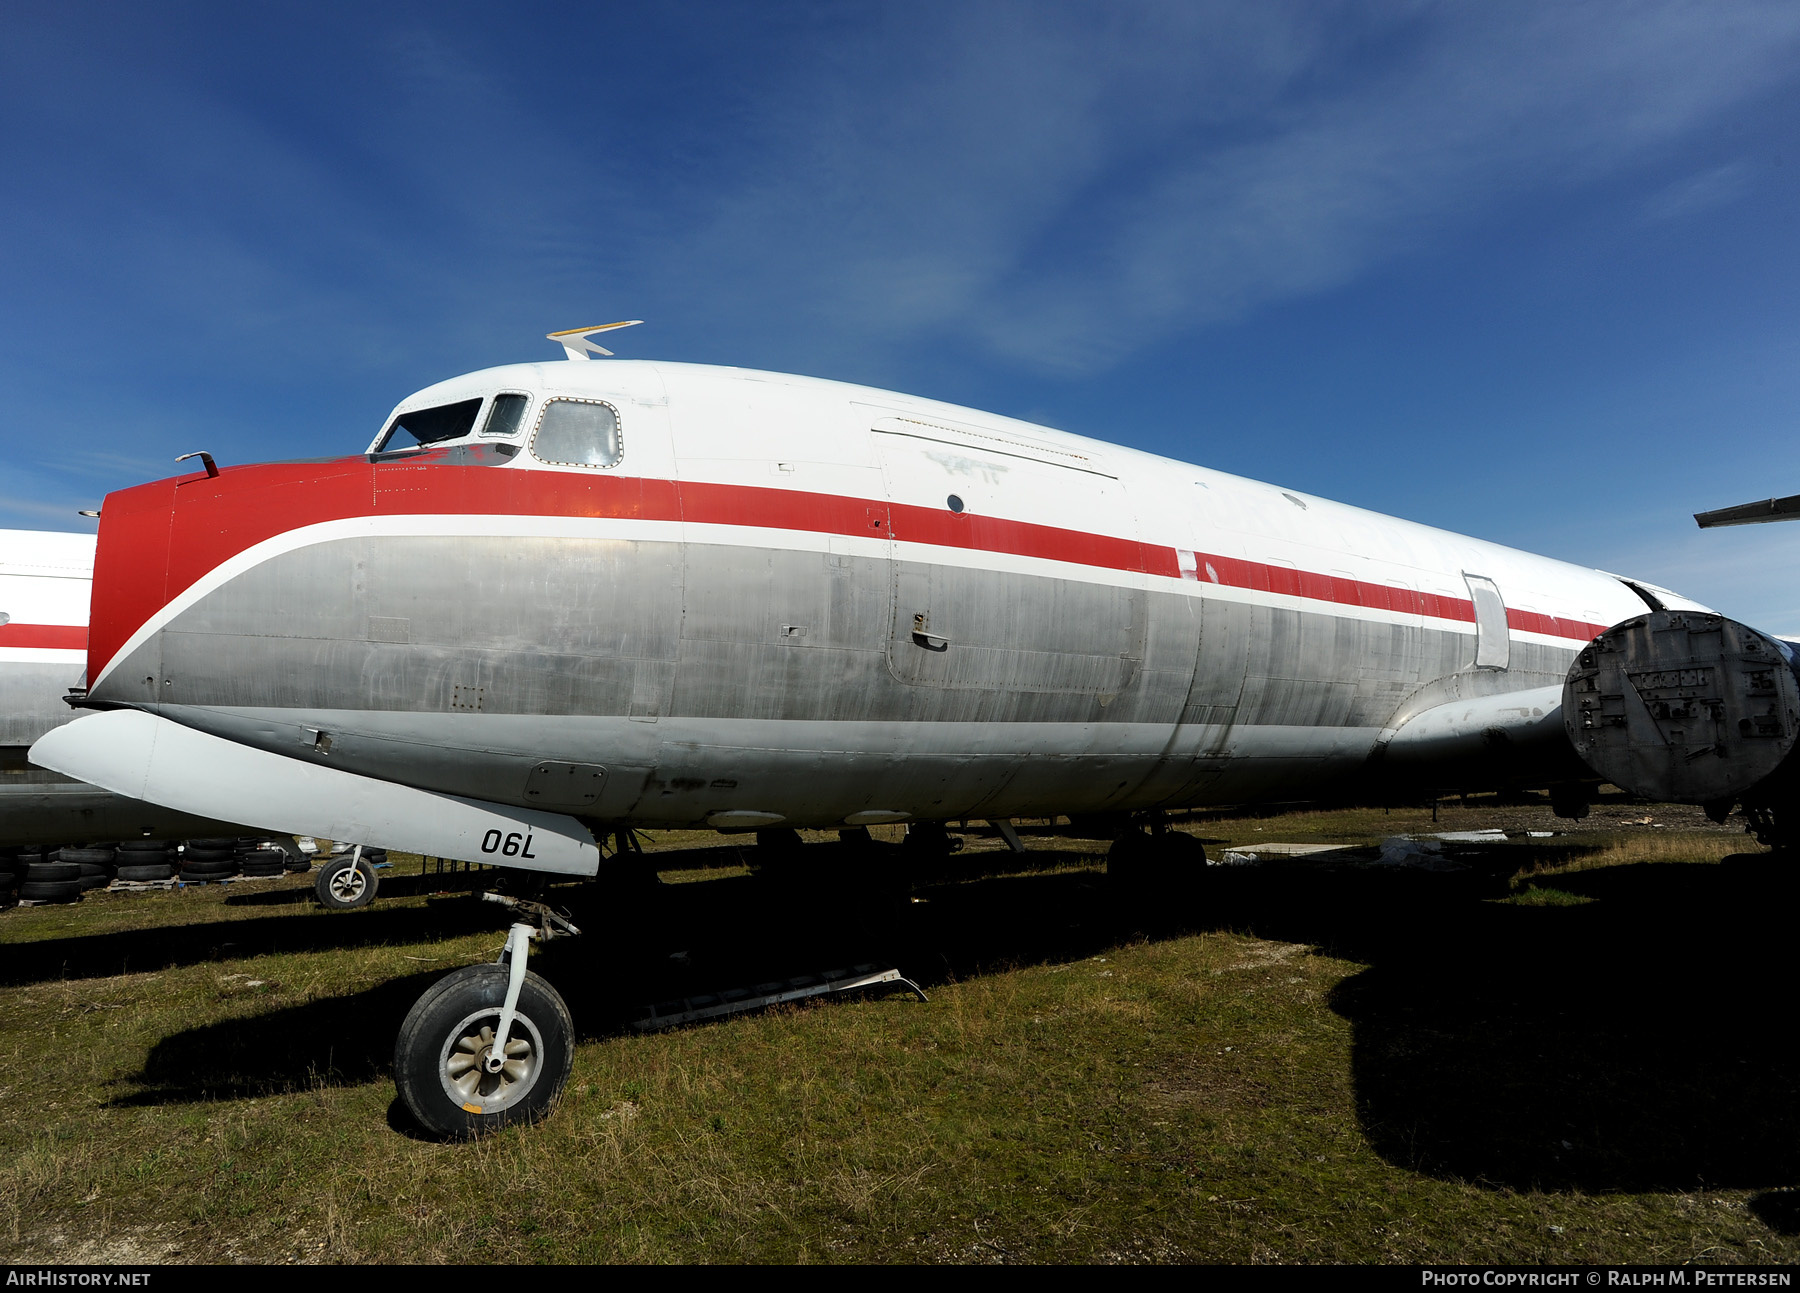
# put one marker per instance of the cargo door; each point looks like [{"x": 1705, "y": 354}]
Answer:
[{"x": 1493, "y": 642}]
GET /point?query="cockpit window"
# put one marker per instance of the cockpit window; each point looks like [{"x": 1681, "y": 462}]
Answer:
[
  {"x": 429, "y": 426},
  {"x": 578, "y": 433},
  {"x": 507, "y": 415}
]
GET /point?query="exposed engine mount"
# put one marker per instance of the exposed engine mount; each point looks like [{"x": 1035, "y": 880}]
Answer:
[{"x": 1685, "y": 706}]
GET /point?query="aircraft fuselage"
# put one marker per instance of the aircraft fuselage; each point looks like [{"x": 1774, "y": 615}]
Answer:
[{"x": 800, "y": 602}]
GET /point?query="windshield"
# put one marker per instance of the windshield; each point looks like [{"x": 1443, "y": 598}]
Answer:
[
  {"x": 507, "y": 415},
  {"x": 429, "y": 426}
]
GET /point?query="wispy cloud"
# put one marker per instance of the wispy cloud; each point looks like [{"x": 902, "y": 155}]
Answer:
[
  {"x": 1486, "y": 108},
  {"x": 1745, "y": 571},
  {"x": 36, "y": 513},
  {"x": 1715, "y": 186},
  {"x": 1057, "y": 186},
  {"x": 1067, "y": 192}
]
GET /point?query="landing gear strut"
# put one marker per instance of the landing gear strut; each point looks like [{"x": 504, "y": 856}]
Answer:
[
  {"x": 1773, "y": 827},
  {"x": 488, "y": 1045}
]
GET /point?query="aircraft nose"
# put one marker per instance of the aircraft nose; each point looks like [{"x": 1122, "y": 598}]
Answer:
[
  {"x": 131, "y": 563},
  {"x": 164, "y": 548}
]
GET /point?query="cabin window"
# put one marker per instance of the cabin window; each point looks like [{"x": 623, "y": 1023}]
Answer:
[
  {"x": 418, "y": 427},
  {"x": 578, "y": 433},
  {"x": 506, "y": 415},
  {"x": 1493, "y": 643}
]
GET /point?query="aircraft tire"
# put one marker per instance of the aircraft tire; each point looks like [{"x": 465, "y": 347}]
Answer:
[
  {"x": 342, "y": 884},
  {"x": 450, "y": 1096},
  {"x": 147, "y": 871},
  {"x": 52, "y": 872},
  {"x": 208, "y": 870}
]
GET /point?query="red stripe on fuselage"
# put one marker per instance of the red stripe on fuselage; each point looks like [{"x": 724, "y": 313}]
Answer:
[
  {"x": 157, "y": 540},
  {"x": 53, "y": 637}
]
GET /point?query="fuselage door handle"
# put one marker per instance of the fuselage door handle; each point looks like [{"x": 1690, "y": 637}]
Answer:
[{"x": 930, "y": 641}]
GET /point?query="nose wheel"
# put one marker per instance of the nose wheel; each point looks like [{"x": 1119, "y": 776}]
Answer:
[
  {"x": 345, "y": 882},
  {"x": 489, "y": 1045}
]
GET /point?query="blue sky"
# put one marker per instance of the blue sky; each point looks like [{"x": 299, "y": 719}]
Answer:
[{"x": 1529, "y": 271}]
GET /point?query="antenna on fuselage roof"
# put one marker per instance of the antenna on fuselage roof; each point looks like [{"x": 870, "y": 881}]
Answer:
[{"x": 575, "y": 341}]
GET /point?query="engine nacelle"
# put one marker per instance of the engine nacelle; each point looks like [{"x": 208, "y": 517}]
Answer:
[{"x": 1683, "y": 706}]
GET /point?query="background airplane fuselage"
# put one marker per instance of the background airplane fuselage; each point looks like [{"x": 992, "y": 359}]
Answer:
[
  {"x": 44, "y": 585},
  {"x": 45, "y": 579},
  {"x": 804, "y": 602}
]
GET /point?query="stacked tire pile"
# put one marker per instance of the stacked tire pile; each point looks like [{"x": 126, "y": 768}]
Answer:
[
  {"x": 142, "y": 860},
  {"x": 44, "y": 875},
  {"x": 96, "y": 861},
  {"x": 10, "y": 868},
  {"x": 209, "y": 859},
  {"x": 259, "y": 859}
]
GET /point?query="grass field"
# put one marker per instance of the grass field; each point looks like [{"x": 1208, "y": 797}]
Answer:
[{"x": 1577, "y": 1051}]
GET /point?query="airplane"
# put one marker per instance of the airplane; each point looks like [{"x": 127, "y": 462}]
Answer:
[
  {"x": 45, "y": 579},
  {"x": 553, "y": 601}
]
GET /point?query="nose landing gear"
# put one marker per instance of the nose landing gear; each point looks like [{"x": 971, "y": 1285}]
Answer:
[
  {"x": 346, "y": 882},
  {"x": 488, "y": 1045}
]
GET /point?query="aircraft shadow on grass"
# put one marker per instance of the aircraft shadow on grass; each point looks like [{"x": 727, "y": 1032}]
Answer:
[
  {"x": 675, "y": 940},
  {"x": 1629, "y": 1043},
  {"x": 1636, "y": 1042},
  {"x": 140, "y": 951}
]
